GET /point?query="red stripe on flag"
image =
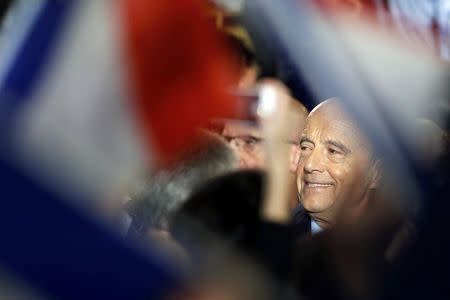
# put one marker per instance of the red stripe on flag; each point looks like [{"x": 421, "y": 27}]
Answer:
[{"x": 179, "y": 70}]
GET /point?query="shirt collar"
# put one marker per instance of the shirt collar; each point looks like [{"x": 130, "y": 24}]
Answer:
[{"x": 315, "y": 228}]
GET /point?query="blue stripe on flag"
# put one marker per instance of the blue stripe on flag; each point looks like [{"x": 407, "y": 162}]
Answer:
[
  {"x": 64, "y": 254},
  {"x": 14, "y": 28},
  {"x": 34, "y": 53}
]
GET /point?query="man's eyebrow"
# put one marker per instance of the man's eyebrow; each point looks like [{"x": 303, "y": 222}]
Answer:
[
  {"x": 242, "y": 136},
  {"x": 306, "y": 139},
  {"x": 339, "y": 145}
]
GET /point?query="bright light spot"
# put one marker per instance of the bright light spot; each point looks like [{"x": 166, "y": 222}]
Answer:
[{"x": 267, "y": 101}]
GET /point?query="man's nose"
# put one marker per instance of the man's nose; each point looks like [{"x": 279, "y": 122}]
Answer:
[
  {"x": 237, "y": 149},
  {"x": 314, "y": 162}
]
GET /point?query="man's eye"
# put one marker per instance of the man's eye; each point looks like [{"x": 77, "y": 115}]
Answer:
[
  {"x": 305, "y": 147},
  {"x": 228, "y": 138},
  {"x": 334, "y": 151},
  {"x": 250, "y": 140}
]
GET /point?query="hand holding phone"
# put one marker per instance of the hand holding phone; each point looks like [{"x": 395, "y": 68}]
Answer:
[{"x": 273, "y": 114}]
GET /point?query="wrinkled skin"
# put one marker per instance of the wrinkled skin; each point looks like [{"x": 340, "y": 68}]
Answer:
[{"x": 336, "y": 169}]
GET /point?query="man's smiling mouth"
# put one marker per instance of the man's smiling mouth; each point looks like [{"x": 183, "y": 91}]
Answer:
[{"x": 310, "y": 184}]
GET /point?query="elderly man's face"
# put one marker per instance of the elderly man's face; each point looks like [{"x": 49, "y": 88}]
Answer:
[
  {"x": 246, "y": 139},
  {"x": 335, "y": 165},
  {"x": 247, "y": 143}
]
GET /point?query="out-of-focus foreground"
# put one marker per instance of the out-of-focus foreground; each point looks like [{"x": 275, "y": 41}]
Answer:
[{"x": 227, "y": 149}]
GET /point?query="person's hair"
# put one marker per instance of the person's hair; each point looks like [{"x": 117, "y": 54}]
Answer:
[
  {"x": 226, "y": 208},
  {"x": 155, "y": 197},
  {"x": 240, "y": 52}
]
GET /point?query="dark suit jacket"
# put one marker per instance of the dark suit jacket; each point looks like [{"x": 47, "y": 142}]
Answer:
[
  {"x": 317, "y": 265},
  {"x": 301, "y": 222}
]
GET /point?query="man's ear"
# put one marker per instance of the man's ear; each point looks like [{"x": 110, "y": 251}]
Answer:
[{"x": 375, "y": 174}]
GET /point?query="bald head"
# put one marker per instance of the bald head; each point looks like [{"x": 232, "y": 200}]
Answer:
[
  {"x": 331, "y": 108},
  {"x": 331, "y": 115},
  {"x": 335, "y": 165}
]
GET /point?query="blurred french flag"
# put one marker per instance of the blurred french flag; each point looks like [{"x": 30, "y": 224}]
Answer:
[{"x": 94, "y": 91}]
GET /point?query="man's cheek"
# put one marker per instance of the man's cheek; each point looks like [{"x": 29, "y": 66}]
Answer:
[
  {"x": 347, "y": 180},
  {"x": 252, "y": 160},
  {"x": 341, "y": 172},
  {"x": 299, "y": 170},
  {"x": 259, "y": 154},
  {"x": 339, "y": 175}
]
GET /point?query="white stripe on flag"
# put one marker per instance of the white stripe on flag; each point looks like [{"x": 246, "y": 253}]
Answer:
[{"x": 78, "y": 128}]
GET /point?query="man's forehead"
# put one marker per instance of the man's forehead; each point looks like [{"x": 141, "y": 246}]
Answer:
[
  {"x": 237, "y": 128},
  {"x": 333, "y": 124}
]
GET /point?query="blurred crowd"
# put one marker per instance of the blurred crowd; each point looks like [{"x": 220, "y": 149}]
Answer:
[
  {"x": 291, "y": 198},
  {"x": 284, "y": 202}
]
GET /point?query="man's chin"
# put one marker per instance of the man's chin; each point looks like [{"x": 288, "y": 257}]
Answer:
[{"x": 314, "y": 205}]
